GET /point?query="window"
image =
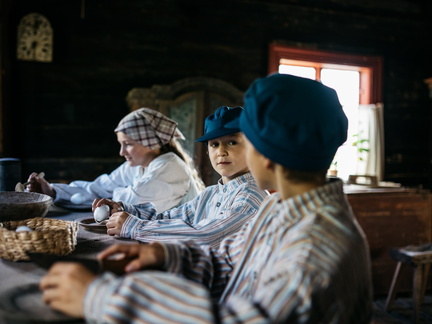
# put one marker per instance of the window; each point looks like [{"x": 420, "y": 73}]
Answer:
[{"x": 357, "y": 81}]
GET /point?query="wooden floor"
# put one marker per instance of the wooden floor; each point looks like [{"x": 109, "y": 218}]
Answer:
[{"x": 401, "y": 311}]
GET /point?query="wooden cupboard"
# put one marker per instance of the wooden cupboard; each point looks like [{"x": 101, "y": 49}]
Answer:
[{"x": 393, "y": 217}]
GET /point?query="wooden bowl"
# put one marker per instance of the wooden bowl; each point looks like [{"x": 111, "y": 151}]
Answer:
[{"x": 22, "y": 205}]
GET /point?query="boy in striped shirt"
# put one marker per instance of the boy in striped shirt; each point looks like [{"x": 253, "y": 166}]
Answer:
[
  {"x": 217, "y": 212},
  {"x": 302, "y": 259}
]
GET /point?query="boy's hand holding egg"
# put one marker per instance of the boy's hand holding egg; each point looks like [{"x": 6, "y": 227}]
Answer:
[{"x": 101, "y": 213}]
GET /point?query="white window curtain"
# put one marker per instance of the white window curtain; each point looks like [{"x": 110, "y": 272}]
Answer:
[{"x": 371, "y": 130}]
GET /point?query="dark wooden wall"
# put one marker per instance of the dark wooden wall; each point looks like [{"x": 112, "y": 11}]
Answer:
[{"x": 59, "y": 117}]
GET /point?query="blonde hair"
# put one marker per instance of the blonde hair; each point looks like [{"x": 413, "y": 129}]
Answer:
[{"x": 175, "y": 147}]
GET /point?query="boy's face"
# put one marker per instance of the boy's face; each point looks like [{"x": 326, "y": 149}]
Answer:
[
  {"x": 258, "y": 166},
  {"x": 227, "y": 156}
]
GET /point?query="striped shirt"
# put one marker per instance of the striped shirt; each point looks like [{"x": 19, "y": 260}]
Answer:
[
  {"x": 216, "y": 213},
  {"x": 300, "y": 260}
]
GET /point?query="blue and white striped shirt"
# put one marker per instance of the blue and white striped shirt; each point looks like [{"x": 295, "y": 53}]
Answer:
[
  {"x": 219, "y": 211},
  {"x": 300, "y": 260}
]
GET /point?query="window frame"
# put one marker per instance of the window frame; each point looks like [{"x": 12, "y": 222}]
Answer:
[{"x": 370, "y": 67}]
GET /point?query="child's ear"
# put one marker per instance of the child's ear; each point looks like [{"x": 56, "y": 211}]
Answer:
[{"x": 269, "y": 164}]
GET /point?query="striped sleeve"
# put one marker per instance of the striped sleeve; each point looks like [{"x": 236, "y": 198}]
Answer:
[
  {"x": 147, "y": 297},
  {"x": 187, "y": 293},
  {"x": 200, "y": 222},
  {"x": 148, "y": 212}
]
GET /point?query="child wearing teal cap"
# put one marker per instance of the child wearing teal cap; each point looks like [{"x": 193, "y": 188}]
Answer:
[
  {"x": 219, "y": 211},
  {"x": 302, "y": 259}
]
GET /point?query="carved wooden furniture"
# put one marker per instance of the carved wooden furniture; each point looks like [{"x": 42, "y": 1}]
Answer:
[{"x": 189, "y": 101}]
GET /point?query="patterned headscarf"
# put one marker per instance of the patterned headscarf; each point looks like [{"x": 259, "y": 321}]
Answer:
[{"x": 149, "y": 127}]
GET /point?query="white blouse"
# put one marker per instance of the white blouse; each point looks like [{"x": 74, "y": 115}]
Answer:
[{"x": 166, "y": 182}]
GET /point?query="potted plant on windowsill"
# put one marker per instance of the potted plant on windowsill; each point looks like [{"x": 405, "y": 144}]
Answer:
[
  {"x": 333, "y": 169},
  {"x": 362, "y": 146}
]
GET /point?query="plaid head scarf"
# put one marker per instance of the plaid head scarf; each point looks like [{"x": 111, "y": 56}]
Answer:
[{"x": 149, "y": 127}]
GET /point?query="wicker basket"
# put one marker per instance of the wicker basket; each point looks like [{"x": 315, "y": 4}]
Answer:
[{"x": 47, "y": 236}]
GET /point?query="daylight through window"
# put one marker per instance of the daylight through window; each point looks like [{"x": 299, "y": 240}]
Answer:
[{"x": 355, "y": 81}]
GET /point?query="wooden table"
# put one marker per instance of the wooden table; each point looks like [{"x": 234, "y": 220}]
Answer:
[{"x": 20, "y": 298}]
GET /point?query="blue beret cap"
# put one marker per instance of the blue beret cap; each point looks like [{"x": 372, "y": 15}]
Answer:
[
  {"x": 216, "y": 125},
  {"x": 296, "y": 122}
]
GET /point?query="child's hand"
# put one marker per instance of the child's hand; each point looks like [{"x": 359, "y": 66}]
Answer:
[
  {"x": 113, "y": 205},
  {"x": 144, "y": 256},
  {"x": 65, "y": 286},
  {"x": 39, "y": 184},
  {"x": 115, "y": 223}
]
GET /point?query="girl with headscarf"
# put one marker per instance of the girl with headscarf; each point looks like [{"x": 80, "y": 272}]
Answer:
[{"x": 156, "y": 170}]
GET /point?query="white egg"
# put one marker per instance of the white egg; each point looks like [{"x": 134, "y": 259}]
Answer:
[
  {"x": 23, "y": 229},
  {"x": 77, "y": 198},
  {"x": 101, "y": 213}
]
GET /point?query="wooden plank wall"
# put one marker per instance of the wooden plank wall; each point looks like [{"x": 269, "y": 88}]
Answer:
[{"x": 65, "y": 111}]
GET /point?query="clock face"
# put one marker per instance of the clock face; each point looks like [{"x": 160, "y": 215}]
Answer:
[{"x": 34, "y": 38}]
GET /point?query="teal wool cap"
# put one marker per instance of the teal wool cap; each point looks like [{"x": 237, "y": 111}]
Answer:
[
  {"x": 216, "y": 125},
  {"x": 296, "y": 122}
]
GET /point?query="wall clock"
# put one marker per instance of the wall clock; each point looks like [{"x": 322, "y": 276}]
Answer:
[{"x": 35, "y": 39}]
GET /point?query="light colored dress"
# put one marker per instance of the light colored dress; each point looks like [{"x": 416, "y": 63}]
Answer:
[{"x": 166, "y": 182}]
